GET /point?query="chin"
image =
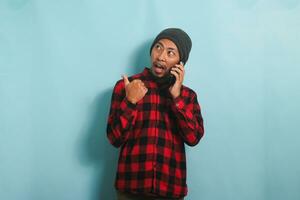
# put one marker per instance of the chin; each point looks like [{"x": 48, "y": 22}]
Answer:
[{"x": 157, "y": 75}]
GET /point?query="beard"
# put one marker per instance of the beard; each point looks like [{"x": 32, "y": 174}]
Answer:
[{"x": 165, "y": 81}]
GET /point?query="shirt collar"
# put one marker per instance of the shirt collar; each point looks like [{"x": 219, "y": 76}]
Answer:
[{"x": 152, "y": 80}]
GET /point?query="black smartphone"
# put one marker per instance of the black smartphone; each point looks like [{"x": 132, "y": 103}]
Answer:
[{"x": 172, "y": 78}]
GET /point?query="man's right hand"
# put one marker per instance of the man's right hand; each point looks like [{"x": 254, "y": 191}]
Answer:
[{"x": 135, "y": 90}]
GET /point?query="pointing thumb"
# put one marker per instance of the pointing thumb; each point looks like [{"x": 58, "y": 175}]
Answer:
[{"x": 126, "y": 81}]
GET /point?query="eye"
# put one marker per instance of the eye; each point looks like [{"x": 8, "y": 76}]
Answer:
[
  {"x": 171, "y": 53},
  {"x": 157, "y": 46}
]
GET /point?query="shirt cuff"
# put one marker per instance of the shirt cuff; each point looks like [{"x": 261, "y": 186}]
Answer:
[
  {"x": 179, "y": 102},
  {"x": 127, "y": 107}
]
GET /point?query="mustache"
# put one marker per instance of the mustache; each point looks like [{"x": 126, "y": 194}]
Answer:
[{"x": 160, "y": 64}]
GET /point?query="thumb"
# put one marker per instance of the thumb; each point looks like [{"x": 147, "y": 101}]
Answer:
[{"x": 125, "y": 78}]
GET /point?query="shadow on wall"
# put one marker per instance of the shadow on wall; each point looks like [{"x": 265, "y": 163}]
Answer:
[
  {"x": 16, "y": 4},
  {"x": 140, "y": 58},
  {"x": 96, "y": 151}
]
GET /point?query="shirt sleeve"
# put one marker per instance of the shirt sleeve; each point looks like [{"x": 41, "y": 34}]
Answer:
[
  {"x": 122, "y": 116},
  {"x": 189, "y": 118}
]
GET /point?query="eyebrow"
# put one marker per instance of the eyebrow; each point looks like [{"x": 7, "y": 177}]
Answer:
[{"x": 170, "y": 48}]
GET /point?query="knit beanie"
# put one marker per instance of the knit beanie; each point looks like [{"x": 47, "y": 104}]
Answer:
[{"x": 181, "y": 40}]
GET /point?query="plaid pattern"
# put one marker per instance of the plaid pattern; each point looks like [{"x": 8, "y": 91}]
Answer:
[
  {"x": 127, "y": 196},
  {"x": 151, "y": 135}
]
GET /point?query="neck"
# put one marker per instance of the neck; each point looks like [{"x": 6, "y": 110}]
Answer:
[{"x": 164, "y": 81}]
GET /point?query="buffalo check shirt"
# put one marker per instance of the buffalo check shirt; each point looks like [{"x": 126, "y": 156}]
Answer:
[{"x": 152, "y": 134}]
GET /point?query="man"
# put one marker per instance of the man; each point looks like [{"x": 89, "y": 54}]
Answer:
[{"x": 151, "y": 118}]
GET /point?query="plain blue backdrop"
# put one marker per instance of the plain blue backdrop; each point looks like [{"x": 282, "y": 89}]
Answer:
[{"x": 60, "y": 59}]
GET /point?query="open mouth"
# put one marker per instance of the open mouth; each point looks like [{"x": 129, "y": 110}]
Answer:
[{"x": 158, "y": 68}]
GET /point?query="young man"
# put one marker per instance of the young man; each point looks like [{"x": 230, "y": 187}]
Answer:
[{"x": 152, "y": 116}]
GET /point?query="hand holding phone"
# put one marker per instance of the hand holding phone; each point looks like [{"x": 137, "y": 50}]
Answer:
[
  {"x": 172, "y": 78},
  {"x": 177, "y": 73}
]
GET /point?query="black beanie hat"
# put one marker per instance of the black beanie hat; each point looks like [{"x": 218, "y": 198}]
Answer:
[{"x": 181, "y": 40}]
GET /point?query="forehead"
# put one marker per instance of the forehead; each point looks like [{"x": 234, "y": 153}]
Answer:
[{"x": 168, "y": 43}]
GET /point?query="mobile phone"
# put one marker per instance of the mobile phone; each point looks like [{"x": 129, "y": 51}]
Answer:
[{"x": 172, "y": 78}]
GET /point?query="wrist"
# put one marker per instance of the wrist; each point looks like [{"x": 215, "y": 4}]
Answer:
[
  {"x": 131, "y": 100},
  {"x": 175, "y": 95}
]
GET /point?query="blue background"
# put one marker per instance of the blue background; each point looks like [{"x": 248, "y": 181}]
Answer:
[{"x": 60, "y": 59}]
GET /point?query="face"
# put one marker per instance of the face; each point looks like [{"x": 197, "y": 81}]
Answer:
[{"x": 164, "y": 55}]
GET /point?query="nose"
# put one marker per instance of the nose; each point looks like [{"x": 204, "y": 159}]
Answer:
[{"x": 162, "y": 56}]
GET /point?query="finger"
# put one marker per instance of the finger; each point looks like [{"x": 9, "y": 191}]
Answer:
[
  {"x": 145, "y": 90},
  {"x": 143, "y": 87},
  {"x": 136, "y": 82},
  {"x": 143, "y": 84},
  {"x": 180, "y": 67},
  {"x": 180, "y": 71},
  {"x": 181, "y": 63},
  {"x": 177, "y": 70},
  {"x": 125, "y": 78},
  {"x": 142, "y": 90},
  {"x": 175, "y": 74}
]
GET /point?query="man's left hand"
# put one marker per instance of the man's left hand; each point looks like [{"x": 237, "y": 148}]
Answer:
[{"x": 178, "y": 72}]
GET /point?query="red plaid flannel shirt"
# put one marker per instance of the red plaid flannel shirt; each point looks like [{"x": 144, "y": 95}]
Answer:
[{"x": 151, "y": 135}]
